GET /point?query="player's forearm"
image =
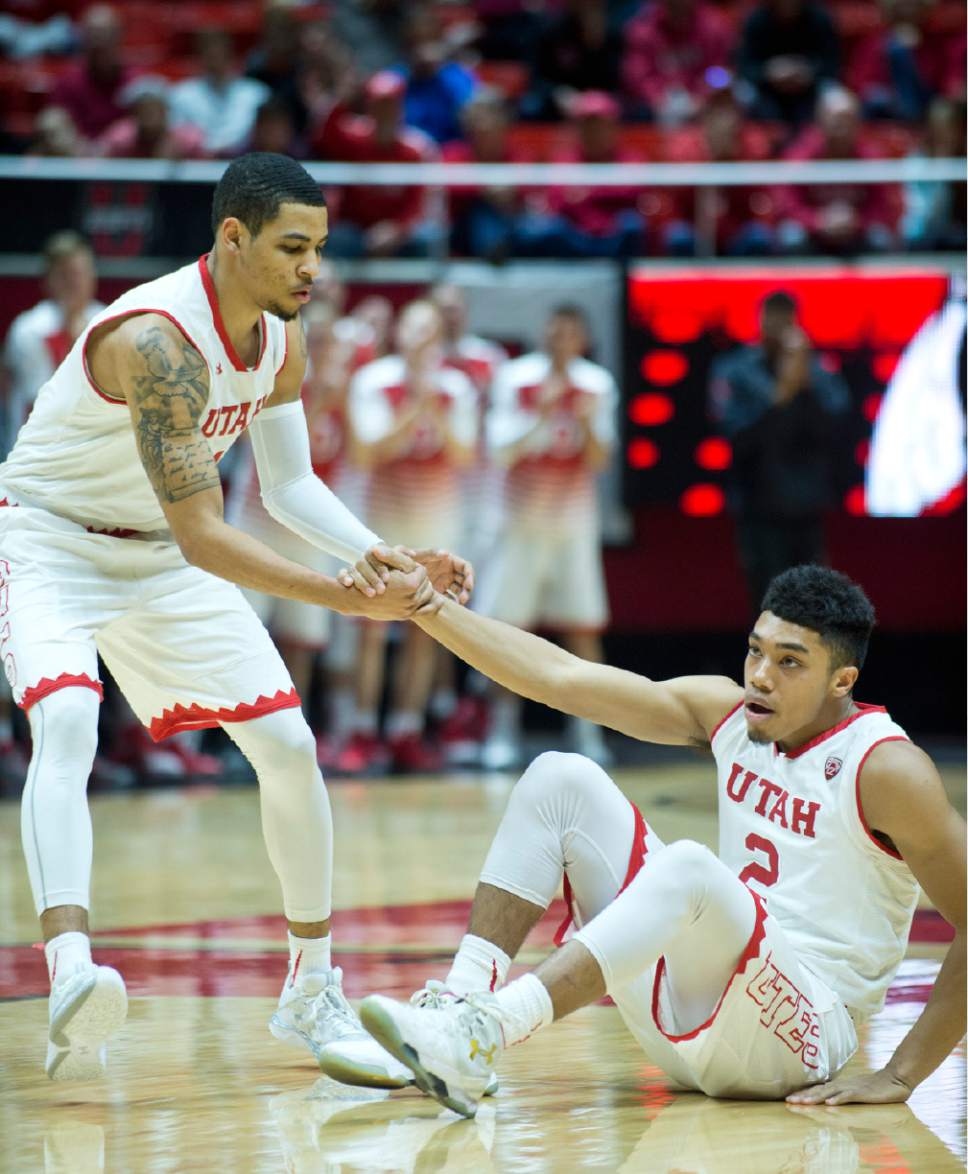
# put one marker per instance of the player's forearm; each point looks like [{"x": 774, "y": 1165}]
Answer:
[
  {"x": 519, "y": 661},
  {"x": 222, "y": 550},
  {"x": 941, "y": 1025}
]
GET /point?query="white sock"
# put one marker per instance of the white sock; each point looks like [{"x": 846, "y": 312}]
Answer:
[
  {"x": 443, "y": 702},
  {"x": 364, "y": 721},
  {"x": 478, "y": 965},
  {"x": 505, "y": 720},
  {"x": 67, "y": 953},
  {"x": 526, "y": 1006},
  {"x": 308, "y": 956},
  {"x": 400, "y": 725}
]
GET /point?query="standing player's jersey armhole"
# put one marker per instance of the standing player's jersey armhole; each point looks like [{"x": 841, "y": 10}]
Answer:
[
  {"x": 285, "y": 349},
  {"x": 120, "y": 318}
]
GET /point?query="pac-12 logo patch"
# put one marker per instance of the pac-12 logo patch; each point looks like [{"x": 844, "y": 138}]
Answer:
[{"x": 831, "y": 768}]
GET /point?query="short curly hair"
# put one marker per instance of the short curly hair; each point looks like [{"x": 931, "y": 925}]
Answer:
[
  {"x": 253, "y": 187},
  {"x": 828, "y": 603}
]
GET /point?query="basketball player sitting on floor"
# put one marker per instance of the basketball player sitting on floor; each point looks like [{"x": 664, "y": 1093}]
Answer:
[{"x": 742, "y": 975}]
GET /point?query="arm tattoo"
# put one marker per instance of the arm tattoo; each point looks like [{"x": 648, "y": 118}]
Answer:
[{"x": 171, "y": 394}]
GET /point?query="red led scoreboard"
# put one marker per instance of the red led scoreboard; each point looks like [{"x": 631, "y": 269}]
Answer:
[{"x": 859, "y": 320}]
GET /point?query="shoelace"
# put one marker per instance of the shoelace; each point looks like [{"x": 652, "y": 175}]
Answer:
[
  {"x": 433, "y": 996},
  {"x": 330, "y": 1004}
]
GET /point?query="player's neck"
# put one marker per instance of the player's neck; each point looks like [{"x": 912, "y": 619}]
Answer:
[
  {"x": 826, "y": 720},
  {"x": 240, "y": 315}
]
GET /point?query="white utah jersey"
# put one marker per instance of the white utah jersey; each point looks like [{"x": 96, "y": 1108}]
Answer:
[
  {"x": 550, "y": 484},
  {"x": 38, "y": 341},
  {"x": 791, "y": 826},
  {"x": 77, "y": 455}
]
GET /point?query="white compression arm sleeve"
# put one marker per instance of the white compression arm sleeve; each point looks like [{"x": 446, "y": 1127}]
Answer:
[{"x": 291, "y": 491}]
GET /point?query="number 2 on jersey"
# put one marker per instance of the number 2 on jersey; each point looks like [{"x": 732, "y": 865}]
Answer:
[{"x": 767, "y": 874}]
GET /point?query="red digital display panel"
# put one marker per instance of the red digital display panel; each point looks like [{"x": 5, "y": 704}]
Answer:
[{"x": 887, "y": 333}]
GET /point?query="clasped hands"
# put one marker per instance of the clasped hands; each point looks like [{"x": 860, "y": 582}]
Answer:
[{"x": 399, "y": 583}]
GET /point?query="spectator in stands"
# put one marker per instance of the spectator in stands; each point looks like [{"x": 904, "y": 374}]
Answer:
[
  {"x": 587, "y": 221},
  {"x": 40, "y": 337},
  {"x": 373, "y": 28},
  {"x": 840, "y": 218},
  {"x": 576, "y": 49},
  {"x": 327, "y": 74},
  {"x": 670, "y": 47},
  {"x": 414, "y": 425},
  {"x": 377, "y": 221},
  {"x": 146, "y": 131},
  {"x": 483, "y": 219},
  {"x": 436, "y": 88},
  {"x": 743, "y": 224},
  {"x": 463, "y": 721},
  {"x": 277, "y": 63},
  {"x": 788, "y": 52},
  {"x": 55, "y": 134},
  {"x": 90, "y": 92},
  {"x": 551, "y": 426},
  {"x": 899, "y": 69},
  {"x": 375, "y": 313},
  {"x": 219, "y": 102},
  {"x": 274, "y": 130},
  {"x": 934, "y": 211},
  {"x": 780, "y": 409}
]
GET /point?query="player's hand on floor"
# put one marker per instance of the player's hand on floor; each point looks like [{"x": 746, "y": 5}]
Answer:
[
  {"x": 370, "y": 574},
  {"x": 869, "y": 1088},
  {"x": 449, "y": 573}
]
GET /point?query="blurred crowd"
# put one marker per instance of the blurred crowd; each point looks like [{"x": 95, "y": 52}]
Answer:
[
  {"x": 502, "y": 82},
  {"x": 437, "y": 438}
]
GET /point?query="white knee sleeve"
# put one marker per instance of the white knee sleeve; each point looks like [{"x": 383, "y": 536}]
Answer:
[
  {"x": 296, "y": 819},
  {"x": 685, "y": 904},
  {"x": 55, "y": 824},
  {"x": 564, "y": 812}
]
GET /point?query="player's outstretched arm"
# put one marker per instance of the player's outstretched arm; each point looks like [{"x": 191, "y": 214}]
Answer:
[
  {"x": 903, "y": 798},
  {"x": 683, "y": 711},
  {"x": 165, "y": 382}
]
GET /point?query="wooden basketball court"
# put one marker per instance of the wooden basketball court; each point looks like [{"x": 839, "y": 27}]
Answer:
[{"x": 186, "y": 906}]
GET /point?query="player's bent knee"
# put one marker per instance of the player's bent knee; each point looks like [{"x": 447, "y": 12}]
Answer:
[
  {"x": 555, "y": 771},
  {"x": 64, "y": 727},
  {"x": 689, "y": 862},
  {"x": 279, "y": 742}
]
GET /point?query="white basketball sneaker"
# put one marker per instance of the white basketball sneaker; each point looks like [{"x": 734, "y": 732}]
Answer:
[
  {"x": 315, "y": 1014},
  {"x": 86, "y": 1007},
  {"x": 432, "y": 997},
  {"x": 451, "y": 1050}
]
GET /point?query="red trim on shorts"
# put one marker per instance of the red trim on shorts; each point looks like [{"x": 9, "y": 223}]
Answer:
[
  {"x": 751, "y": 951},
  {"x": 117, "y": 532},
  {"x": 231, "y": 352},
  {"x": 637, "y": 855},
  {"x": 120, "y": 318},
  {"x": 48, "y": 685},
  {"x": 860, "y": 808},
  {"x": 198, "y": 717},
  {"x": 848, "y": 721},
  {"x": 723, "y": 720}
]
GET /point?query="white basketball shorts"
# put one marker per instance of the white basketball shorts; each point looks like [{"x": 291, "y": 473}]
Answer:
[
  {"x": 776, "y": 1028},
  {"x": 552, "y": 578},
  {"x": 185, "y": 647}
]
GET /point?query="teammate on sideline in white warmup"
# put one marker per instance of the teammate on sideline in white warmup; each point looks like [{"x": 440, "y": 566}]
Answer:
[
  {"x": 742, "y": 975},
  {"x": 111, "y": 538}
]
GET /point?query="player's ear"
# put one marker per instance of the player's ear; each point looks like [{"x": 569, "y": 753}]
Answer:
[
  {"x": 232, "y": 231},
  {"x": 844, "y": 680}
]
